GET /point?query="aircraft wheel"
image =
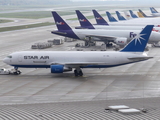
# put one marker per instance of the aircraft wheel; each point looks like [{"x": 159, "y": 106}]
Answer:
[
  {"x": 86, "y": 43},
  {"x": 80, "y": 73},
  {"x": 75, "y": 73},
  {"x": 18, "y": 72}
]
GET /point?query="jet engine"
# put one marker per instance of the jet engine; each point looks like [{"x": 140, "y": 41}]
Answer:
[
  {"x": 121, "y": 41},
  {"x": 59, "y": 69}
]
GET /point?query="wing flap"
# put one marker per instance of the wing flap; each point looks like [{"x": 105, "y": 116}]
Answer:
[{"x": 103, "y": 37}]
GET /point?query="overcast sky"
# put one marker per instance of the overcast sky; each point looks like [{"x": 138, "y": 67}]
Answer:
[{"x": 100, "y": 0}]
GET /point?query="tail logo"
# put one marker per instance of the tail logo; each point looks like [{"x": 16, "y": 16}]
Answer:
[
  {"x": 138, "y": 38},
  {"x": 132, "y": 34},
  {"x": 60, "y": 23},
  {"x": 82, "y": 20}
]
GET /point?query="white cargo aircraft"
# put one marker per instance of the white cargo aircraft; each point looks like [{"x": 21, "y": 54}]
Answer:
[
  {"x": 120, "y": 37},
  {"x": 62, "y": 61}
]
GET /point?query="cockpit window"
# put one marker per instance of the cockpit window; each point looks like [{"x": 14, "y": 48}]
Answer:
[{"x": 9, "y": 56}]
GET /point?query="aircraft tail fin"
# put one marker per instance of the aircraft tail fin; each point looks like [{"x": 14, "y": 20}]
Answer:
[
  {"x": 139, "y": 42},
  {"x": 63, "y": 28},
  {"x": 84, "y": 21},
  {"x": 153, "y": 10},
  {"x": 99, "y": 19},
  {"x": 120, "y": 17},
  {"x": 132, "y": 14},
  {"x": 127, "y": 15},
  {"x": 110, "y": 17},
  {"x": 142, "y": 13},
  {"x": 60, "y": 23}
]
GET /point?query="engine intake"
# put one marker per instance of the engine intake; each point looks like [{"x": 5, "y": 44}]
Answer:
[
  {"x": 59, "y": 69},
  {"x": 121, "y": 41}
]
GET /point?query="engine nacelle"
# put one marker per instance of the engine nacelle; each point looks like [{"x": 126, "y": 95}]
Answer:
[
  {"x": 59, "y": 69},
  {"x": 121, "y": 41}
]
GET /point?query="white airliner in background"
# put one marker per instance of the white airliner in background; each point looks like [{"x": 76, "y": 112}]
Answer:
[
  {"x": 120, "y": 37},
  {"x": 62, "y": 61}
]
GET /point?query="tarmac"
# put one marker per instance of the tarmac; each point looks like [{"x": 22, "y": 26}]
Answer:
[{"x": 37, "y": 94}]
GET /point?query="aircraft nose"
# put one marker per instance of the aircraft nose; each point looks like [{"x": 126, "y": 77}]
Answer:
[{"x": 6, "y": 60}]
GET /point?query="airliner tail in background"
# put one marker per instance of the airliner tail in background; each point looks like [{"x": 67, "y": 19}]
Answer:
[
  {"x": 140, "y": 15},
  {"x": 120, "y": 17},
  {"x": 132, "y": 14},
  {"x": 153, "y": 10},
  {"x": 127, "y": 15},
  {"x": 83, "y": 21},
  {"x": 142, "y": 12},
  {"x": 63, "y": 28},
  {"x": 99, "y": 19},
  {"x": 110, "y": 17}
]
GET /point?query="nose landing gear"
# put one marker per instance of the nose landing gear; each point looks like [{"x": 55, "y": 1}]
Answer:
[{"x": 16, "y": 71}]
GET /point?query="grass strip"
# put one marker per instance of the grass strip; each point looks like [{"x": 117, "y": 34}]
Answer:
[
  {"x": 5, "y": 21},
  {"x": 33, "y": 14},
  {"x": 25, "y": 26}
]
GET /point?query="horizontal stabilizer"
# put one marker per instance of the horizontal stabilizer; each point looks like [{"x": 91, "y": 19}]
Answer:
[
  {"x": 59, "y": 32},
  {"x": 139, "y": 58}
]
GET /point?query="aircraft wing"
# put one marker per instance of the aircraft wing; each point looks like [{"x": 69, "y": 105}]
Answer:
[
  {"x": 103, "y": 37},
  {"x": 77, "y": 64}
]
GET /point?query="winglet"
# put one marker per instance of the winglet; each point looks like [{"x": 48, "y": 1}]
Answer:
[
  {"x": 132, "y": 14},
  {"x": 153, "y": 10},
  {"x": 84, "y": 21},
  {"x": 139, "y": 42},
  {"x": 120, "y": 17},
  {"x": 99, "y": 19},
  {"x": 110, "y": 17},
  {"x": 60, "y": 23}
]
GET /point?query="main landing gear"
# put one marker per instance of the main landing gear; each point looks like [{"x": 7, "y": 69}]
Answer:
[
  {"x": 108, "y": 44},
  {"x": 78, "y": 72},
  {"x": 16, "y": 71}
]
